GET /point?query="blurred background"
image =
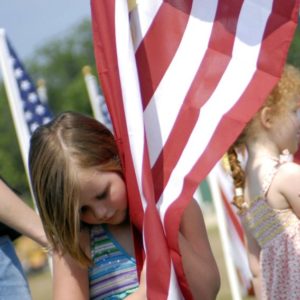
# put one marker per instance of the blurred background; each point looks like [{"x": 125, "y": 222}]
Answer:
[{"x": 54, "y": 41}]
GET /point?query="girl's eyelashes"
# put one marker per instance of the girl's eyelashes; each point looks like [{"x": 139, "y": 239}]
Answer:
[
  {"x": 82, "y": 210},
  {"x": 102, "y": 195}
]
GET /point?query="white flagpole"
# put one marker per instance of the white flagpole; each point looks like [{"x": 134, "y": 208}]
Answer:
[
  {"x": 14, "y": 99},
  {"x": 93, "y": 92},
  {"x": 222, "y": 224},
  {"x": 42, "y": 91}
]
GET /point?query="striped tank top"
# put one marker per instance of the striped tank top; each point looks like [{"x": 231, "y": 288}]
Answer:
[{"x": 113, "y": 273}]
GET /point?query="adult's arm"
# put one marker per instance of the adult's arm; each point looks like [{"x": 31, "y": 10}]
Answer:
[{"x": 15, "y": 213}]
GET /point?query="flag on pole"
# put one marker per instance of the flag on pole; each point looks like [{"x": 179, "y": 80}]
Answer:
[
  {"x": 97, "y": 100},
  {"x": 42, "y": 90},
  {"x": 181, "y": 79},
  {"x": 27, "y": 110}
]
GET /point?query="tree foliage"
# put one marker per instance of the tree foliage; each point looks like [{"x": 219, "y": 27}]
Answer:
[
  {"x": 294, "y": 51},
  {"x": 60, "y": 63}
]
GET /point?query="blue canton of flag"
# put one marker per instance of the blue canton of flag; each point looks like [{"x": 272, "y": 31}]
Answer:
[{"x": 36, "y": 113}]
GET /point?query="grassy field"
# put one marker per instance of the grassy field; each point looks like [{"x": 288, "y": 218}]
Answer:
[{"x": 40, "y": 283}]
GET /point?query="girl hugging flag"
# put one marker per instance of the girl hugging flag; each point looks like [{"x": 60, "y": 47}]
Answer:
[{"x": 181, "y": 79}]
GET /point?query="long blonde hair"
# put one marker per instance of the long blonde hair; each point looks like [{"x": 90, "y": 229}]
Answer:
[
  {"x": 285, "y": 93},
  {"x": 59, "y": 149}
]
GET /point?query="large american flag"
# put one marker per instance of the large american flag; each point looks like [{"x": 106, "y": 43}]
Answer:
[
  {"x": 181, "y": 79},
  {"x": 27, "y": 109}
]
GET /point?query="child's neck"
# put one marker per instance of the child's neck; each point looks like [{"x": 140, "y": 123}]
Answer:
[
  {"x": 122, "y": 233},
  {"x": 257, "y": 151}
]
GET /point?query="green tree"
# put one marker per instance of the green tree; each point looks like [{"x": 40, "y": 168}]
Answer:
[
  {"x": 60, "y": 63},
  {"x": 294, "y": 51},
  {"x": 11, "y": 163}
]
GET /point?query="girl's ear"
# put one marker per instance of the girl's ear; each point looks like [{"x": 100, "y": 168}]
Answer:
[{"x": 266, "y": 117}]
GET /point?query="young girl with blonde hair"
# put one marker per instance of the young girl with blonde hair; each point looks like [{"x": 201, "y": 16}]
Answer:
[
  {"x": 268, "y": 191},
  {"x": 81, "y": 195}
]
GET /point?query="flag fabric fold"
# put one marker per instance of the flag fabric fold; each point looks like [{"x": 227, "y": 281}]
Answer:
[{"x": 181, "y": 79}]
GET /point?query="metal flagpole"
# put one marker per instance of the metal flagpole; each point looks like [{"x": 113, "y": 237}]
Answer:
[{"x": 221, "y": 219}]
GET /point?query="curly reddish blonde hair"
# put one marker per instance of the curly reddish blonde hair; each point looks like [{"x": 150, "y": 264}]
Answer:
[{"x": 285, "y": 94}]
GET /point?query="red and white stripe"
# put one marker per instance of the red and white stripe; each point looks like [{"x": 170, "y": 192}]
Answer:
[{"x": 181, "y": 78}]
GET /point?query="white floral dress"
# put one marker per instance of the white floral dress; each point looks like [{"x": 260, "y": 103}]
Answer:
[{"x": 278, "y": 234}]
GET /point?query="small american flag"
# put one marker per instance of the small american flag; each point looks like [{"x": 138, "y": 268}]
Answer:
[
  {"x": 28, "y": 111},
  {"x": 97, "y": 100},
  {"x": 36, "y": 113},
  {"x": 181, "y": 79}
]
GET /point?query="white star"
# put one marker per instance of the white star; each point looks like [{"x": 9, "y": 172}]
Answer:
[
  {"x": 40, "y": 110},
  {"x": 12, "y": 61},
  {"x": 34, "y": 126},
  {"x": 19, "y": 73},
  {"x": 25, "y": 85},
  {"x": 46, "y": 120},
  {"x": 32, "y": 97},
  {"x": 28, "y": 115}
]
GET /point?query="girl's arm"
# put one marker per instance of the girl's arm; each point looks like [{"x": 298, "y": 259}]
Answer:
[
  {"x": 199, "y": 265},
  {"x": 253, "y": 251},
  {"x": 287, "y": 183},
  {"x": 70, "y": 280}
]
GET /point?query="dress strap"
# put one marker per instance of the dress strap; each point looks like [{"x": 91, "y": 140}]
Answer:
[
  {"x": 269, "y": 178},
  {"x": 283, "y": 158}
]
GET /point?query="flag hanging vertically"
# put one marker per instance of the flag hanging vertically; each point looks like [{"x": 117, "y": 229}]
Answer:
[
  {"x": 97, "y": 101},
  {"x": 28, "y": 111},
  {"x": 181, "y": 79}
]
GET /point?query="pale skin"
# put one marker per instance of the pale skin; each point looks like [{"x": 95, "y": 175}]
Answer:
[
  {"x": 276, "y": 134},
  {"x": 104, "y": 201},
  {"x": 19, "y": 216}
]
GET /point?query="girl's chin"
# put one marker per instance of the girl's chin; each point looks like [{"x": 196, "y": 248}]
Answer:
[{"x": 118, "y": 219}]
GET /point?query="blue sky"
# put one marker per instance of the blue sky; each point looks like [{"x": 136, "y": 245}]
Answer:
[{"x": 31, "y": 23}]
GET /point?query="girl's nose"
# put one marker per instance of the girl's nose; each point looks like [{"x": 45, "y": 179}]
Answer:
[{"x": 100, "y": 212}]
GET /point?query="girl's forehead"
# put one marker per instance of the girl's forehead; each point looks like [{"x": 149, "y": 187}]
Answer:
[{"x": 88, "y": 174}]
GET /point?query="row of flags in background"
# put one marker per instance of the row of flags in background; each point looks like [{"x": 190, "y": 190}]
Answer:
[{"x": 143, "y": 61}]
